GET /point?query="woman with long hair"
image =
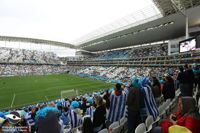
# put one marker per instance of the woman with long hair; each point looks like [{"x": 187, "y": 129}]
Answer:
[
  {"x": 99, "y": 115},
  {"x": 187, "y": 116}
]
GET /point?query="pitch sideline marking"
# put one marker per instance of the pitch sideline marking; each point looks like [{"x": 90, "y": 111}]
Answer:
[
  {"x": 46, "y": 98},
  {"x": 13, "y": 100}
]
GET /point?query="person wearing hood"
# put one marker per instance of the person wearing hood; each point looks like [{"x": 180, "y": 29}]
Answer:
[
  {"x": 133, "y": 104},
  {"x": 150, "y": 107}
]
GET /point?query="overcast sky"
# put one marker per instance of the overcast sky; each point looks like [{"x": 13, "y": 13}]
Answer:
[{"x": 62, "y": 20}]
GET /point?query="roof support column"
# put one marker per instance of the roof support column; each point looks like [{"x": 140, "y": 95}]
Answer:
[
  {"x": 186, "y": 19},
  {"x": 186, "y": 27}
]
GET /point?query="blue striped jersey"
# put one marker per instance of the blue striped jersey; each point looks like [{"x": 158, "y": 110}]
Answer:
[
  {"x": 65, "y": 104},
  {"x": 74, "y": 119},
  {"x": 126, "y": 90},
  {"x": 117, "y": 107},
  {"x": 90, "y": 112},
  {"x": 150, "y": 102},
  {"x": 29, "y": 120}
]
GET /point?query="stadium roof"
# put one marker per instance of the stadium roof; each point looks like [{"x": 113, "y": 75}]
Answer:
[
  {"x": 155, "y": 28},
  {"x": 157, "y": 22},
  {"x": 144, "y": 15},
  {"x": 61, "y": 20},
  {"x": 32, "y": 40},
  {"x": 168, "y": 7}
]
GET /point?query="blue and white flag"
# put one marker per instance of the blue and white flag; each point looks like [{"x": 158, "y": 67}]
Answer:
[
  {"x": 117, "y": 107},
  {"x": 74, "y": 119},
  {"x": 150, "y": 102}
]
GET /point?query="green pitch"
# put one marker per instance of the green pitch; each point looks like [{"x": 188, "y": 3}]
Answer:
[{"x": 25, "y": 90}]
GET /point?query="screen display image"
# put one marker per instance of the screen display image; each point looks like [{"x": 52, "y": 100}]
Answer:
[{"x": 188, "y": 45}]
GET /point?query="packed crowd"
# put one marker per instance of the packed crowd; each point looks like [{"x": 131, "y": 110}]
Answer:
[
  {"x": 93, "y": 112},
  {"x": 147, "y": 51},
  {"x": 123, "y": 73},
  {"x": 13, "y": 70},
  {"x": 11, "y": 55}
]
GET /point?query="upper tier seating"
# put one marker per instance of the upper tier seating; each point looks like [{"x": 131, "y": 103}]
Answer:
[
  {"x": 10, "y": 55},
  {"x": 148, "y": 51}
]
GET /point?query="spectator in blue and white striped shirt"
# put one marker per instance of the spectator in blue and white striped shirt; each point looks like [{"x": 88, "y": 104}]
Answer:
[
  {"x": 30, "y": 120},
  {"x": 73, "y": 115},
  {"x": 117, "y": 104},
  {"x": 65, "y": 103},
  {"x": 149, "y": 100},
  {"x": 90, "y": 110},
  {"x": 74, "y": 119}
]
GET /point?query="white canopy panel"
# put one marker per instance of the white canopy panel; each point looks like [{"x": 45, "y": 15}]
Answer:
[{"x": 145, "y": 15}]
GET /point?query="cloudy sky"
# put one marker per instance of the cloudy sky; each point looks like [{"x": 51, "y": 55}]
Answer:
[{"x": 62, "y": 20}]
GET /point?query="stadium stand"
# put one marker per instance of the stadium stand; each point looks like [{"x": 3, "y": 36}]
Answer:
[
  {"x": 20, "y": 70},
  {"x": 10, "y": 55},
  {"x": 146, "y": 51}
]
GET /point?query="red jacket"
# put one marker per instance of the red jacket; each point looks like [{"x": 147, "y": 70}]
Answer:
[
  {"x": 186, "y": 121},
  {"x": 190, "y": 123}
]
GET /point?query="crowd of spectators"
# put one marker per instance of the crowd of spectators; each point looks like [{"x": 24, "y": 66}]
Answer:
[
  {"x": 92, "y": 112},
  {"x": 118, "y": 54},
  {"x": 123, "y": 73},
  {"x": 151, "y": 51},
  {"x": 146, "y": 51},
  {"x": 16, "y": 70},
  {"x": 11, "y": 55}
]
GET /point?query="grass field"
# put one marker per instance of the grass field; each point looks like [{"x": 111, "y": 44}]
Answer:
[{"x": 20, "y": 91}]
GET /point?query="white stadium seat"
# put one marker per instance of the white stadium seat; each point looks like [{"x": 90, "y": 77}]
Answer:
[
  {"x": 103, "y": 131},
  {"x": 114, "y": 128},
  {"x": 141, "y": 128},
  {"x": 149, "y": 123},
  {"x": 124, "y": 124}
]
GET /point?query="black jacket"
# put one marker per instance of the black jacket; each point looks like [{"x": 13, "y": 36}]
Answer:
[
  {"x": 189, "y": 76},
  {"x": 168, "y": 90},
  {"x": 133, "y": 99},
  {"x": 181, "y": 78},
  {"x": 99, "y": 116}
]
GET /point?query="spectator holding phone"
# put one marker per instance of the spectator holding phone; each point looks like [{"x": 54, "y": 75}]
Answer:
[{"x": 186, "y": 116}]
